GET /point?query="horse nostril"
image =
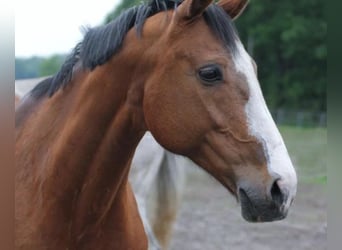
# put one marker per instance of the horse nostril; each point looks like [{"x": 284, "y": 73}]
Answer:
[{"x": 277, "y": 195}]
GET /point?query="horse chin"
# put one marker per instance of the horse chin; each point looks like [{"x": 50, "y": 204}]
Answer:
[{"x": 259, "y": 210}]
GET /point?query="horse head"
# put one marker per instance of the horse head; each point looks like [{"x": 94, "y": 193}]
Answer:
[{"x": 203, "y": 100}]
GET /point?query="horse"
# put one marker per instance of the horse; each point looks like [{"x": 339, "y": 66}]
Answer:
[
  {"x": 157, "y": 177},
  {"x": 175, "y": 68}
]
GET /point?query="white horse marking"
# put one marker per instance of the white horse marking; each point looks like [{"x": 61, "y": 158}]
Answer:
[{"x": 262, "y": 127}]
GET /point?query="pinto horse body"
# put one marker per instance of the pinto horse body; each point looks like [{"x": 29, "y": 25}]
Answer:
[
  {"x": 176, "y": 69},
  {"x": 157, "y": 177}
]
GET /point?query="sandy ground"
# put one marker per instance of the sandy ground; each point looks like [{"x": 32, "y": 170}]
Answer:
[{"x": 209, "y": 218}]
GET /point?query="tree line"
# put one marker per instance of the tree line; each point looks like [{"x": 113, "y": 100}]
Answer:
[
  {"x": 287, "y": 39},
  {"x": 37, "y": 66}
]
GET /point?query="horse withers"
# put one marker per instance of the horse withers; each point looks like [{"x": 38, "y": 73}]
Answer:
[{"x": 175, "y": 68}]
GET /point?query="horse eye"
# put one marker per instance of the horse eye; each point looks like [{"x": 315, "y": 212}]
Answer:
[{"x": 210, "y": 74}]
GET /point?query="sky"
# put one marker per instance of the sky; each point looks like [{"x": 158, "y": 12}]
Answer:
[{"x": 45, "y": 27}]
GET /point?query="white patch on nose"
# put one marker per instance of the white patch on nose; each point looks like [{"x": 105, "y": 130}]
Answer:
[{"x": 262, "y": 127}]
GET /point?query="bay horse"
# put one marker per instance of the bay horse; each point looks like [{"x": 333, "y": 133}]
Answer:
[
  {"x": 157, "y": 177},
  {"x": 175, "y": 68}
]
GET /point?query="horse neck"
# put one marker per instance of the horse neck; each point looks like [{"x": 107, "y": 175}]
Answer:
[
  {"x": 91, "y": 158},
  {"x": 82, "y": 140}
]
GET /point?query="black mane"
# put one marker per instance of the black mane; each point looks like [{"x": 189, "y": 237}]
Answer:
[{"x": 100, "y": 43}]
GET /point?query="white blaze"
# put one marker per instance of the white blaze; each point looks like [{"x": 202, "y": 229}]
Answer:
[{"x": 262, "y": 126}]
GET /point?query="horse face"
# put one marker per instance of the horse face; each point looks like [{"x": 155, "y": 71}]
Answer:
[{"x": 204, "y": 101}]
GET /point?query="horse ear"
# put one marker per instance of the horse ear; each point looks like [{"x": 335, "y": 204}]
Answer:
[
  {"x": 233, "y": 7},
  {"x": 190, "y": 9}
]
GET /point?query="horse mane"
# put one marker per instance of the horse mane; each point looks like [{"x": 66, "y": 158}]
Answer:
[{"x": 101, "y": 43}]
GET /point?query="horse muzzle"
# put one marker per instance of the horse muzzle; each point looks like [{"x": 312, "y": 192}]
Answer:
[{"x": 259, "y": 207}]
